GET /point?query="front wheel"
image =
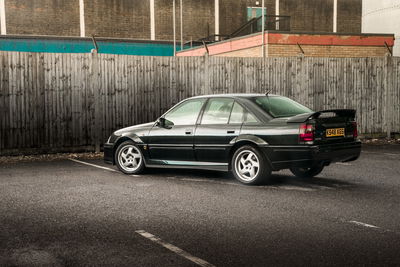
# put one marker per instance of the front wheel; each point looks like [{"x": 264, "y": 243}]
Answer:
[
  {"x": 308, "y": 172},
  {"x": 129, "y": 158},
  {"x": 249, "y": 166}
]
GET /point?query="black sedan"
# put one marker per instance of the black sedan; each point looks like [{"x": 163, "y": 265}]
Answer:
[{"x": 252, "y": 135}]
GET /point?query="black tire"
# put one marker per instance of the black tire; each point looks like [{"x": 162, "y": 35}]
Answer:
[
  {"x": 309, "y": 172},
  {"x": 137, "y": 164},
  {"x": 239, "y": 163}
]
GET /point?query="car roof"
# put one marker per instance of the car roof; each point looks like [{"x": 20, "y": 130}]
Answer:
[{"x": 231, "y": 95}]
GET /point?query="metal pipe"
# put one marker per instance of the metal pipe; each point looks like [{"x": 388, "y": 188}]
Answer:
[
  {"x": 335, "y": 15},
  {"x": 174, "y": 24},
  {"x": 181, "y": 15},
  {"x": 82, "y": 17},
  {"x": 152, "y": 21},
  {"x": 263, "y": 28},
  {"x": 216, "y": 15},
  {"x": 3, "y": 18}
]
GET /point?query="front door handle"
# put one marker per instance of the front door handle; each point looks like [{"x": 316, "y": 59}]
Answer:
[
  {"x": 230, "y": 132},
  {"x": 188, "y": 131}
]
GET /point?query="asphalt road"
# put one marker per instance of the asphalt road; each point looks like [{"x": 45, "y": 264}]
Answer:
[{"x": 66, "y": 213}]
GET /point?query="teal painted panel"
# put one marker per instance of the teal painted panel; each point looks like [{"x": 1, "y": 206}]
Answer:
[{"x": 85, "y": 46}]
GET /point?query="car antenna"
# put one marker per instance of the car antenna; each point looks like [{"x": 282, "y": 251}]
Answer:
[{"x": 269, "y": 91}]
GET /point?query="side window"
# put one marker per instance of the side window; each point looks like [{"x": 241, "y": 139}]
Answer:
[
  {"x": 217, "y": 111},
  {"x": 186, "y": 113},
  {"x": 240, "y": 115},
  {"x": 250, "y": 118},
  {"x": 237, "y": 115}
]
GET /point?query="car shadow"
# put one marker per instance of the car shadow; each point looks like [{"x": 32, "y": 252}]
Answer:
[
  {"x": 319, "y": 181},
  {"x": 277, "y": 179}
]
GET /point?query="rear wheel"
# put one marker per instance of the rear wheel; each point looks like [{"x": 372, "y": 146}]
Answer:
[
  {"x": 129, "y": 158},
  {"x": 249, "y": 166},
  {"x": 308, "y": 172}
]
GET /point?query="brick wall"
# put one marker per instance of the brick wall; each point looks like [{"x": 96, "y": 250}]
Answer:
[
  {"x": 349, "y": 16},
  {"x": 274, "y": 50},
  {"x": 42, "y": 17},
  {"x": 233, "y": 14},
  {"x": 131, "y": 18},
  {"x": 198, "y": 19},
  {"x": 309, "y": 15},
  {"x": 117, "y": 18}
]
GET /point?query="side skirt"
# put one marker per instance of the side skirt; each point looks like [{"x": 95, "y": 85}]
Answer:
[{"x": 171, "y": 164}]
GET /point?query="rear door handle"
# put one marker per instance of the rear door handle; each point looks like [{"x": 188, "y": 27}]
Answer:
[
  {"x": 188, "y": 131},
  {"x": 230, "y": 132}
]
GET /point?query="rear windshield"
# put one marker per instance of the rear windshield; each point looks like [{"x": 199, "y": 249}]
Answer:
[{"x": 280, "y": 107}]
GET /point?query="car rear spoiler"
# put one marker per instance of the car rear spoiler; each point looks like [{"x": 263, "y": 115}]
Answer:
[{"x": 347, "y": 113}]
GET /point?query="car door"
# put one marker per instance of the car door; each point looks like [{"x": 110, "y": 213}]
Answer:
[
  {"x": 220, "y": 124},
  {"x": 174, "y": 141}
]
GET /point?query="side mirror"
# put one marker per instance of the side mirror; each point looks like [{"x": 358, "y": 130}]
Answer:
[{"x": 164, "y": 123}]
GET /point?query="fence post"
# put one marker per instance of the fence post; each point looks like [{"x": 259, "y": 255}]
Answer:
[
  {"x": 389, "y": 86},
  {"x": 97, "y": 99}
]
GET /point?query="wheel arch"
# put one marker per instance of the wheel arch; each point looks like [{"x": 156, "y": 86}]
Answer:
[
  {"x": 120, "y": 141},
  {"x": 253, "y": 141}
]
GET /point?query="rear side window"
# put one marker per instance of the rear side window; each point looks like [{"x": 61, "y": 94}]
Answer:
[
  {"x": 240, "y": 115},
  {"x": 279, "y": 106},
  {"x": 217, "y": 111}
]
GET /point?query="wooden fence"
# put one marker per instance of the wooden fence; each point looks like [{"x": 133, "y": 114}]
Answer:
[{"x": 65, "y": 102}]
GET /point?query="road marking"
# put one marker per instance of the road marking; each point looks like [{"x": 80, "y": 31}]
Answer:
[
  {"x": 364, "y": 224},
  {"x": 93, "y": 165},
  {"x": 343, "y": 163},
  {"x": 174, "y": 249},
  {"x": 282, "y": 187}
]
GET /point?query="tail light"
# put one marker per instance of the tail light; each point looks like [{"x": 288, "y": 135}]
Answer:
[
  {"x": 306, "y": 133},
  {"x": 355, "y": 130}
]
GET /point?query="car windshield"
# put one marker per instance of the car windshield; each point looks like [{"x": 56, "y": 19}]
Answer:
[{"x": 280, "y": 107}]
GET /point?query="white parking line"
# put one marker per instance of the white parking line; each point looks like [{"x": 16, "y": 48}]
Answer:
[
  {"x": 174, "y": 249},
  {"x": 282, "y": 187},
  {"x": 364, "y": 224},
  {"x": 93, "y": 165},
  {"x": 343, "y": 163}
]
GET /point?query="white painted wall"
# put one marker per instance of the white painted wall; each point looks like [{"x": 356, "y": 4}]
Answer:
[{"x": 382, "y": 16}]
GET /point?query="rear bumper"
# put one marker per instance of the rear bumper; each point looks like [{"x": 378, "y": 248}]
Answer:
[
  {"x": 284, "y": 157},
  {"x": 109, "y": 153}
]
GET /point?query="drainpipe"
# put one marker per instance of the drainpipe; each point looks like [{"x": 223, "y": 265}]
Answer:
[
  {"x": 3, "y": 18},
  {"x": 152, "y": 21},
  {"x": 263, "y": 28},
  {"x": 181, "y": 15},
  {"x": 216, "y": 9},
  {"x": 174, "y": 24},
  {"x": 335, "y": 16},
  {"x": 82, "y": 17}
]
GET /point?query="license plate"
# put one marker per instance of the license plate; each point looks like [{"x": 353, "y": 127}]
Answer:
[{"x": 335, "y": 132}]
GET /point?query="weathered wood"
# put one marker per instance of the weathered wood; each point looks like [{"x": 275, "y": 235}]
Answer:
[{"x": 67, "y": 102}]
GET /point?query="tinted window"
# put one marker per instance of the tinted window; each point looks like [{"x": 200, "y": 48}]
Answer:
[
  {"x": 279, "y": 106},
  {"x": 217, "y": 111},
  {"x": 237, "y": 115},
  {"x": 186, "y": 113},
  {"x": 240, "y": 115}
]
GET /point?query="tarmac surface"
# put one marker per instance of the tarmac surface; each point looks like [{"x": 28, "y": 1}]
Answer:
[{"x": 84, "y": 212}]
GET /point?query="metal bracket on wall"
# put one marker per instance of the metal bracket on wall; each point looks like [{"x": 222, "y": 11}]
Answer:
[
  {"x": 388, "y": 48},
  {"x": 206, "y": 47},
  {"x": 96, "y": 47},
  {"x": 301, "y": 49}
]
